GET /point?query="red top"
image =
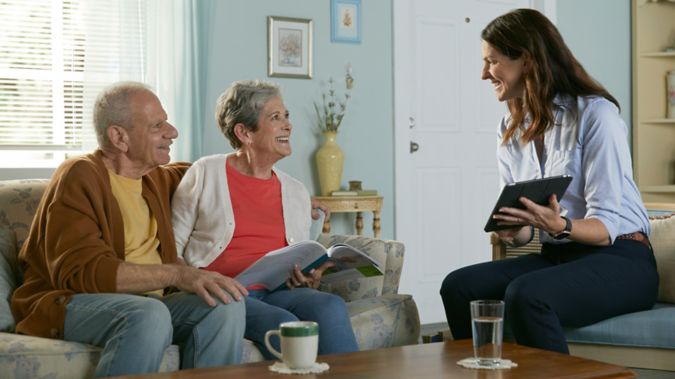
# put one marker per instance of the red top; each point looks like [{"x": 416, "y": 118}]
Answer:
[{"x": 259, "y": 222}]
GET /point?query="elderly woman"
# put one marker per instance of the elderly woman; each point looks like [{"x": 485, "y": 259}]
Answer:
[{"x": 231, "y": 209}]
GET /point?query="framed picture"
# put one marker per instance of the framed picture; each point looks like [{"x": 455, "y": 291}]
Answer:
[
  {"x": 289, "y": 45},
  {"x": 345, "y": 21}
]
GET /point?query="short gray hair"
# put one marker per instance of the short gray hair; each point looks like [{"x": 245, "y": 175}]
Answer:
[
  {"x": 242, "y": 103},
  {"x": 113, "y": 107}
]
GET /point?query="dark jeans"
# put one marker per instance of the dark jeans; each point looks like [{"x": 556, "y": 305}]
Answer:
[{"x": 569, "y": 285}]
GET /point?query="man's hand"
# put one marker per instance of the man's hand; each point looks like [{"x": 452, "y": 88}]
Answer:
[
  {"x": 316, "y": 206},
  {"x": 207, "y": 284},
  {"x": 140, "y": 278},
  {"x": 298, "y": 279}
]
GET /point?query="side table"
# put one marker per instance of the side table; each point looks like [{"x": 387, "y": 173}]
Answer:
[{"x": 353, "y": 204}]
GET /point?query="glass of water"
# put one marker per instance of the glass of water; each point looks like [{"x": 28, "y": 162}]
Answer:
[{"x": 487, "y": 322}]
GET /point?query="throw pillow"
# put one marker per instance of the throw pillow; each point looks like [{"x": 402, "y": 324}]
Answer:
[
  {"x": 663, "y": 242},
  {"x": 8, "y": 277}
]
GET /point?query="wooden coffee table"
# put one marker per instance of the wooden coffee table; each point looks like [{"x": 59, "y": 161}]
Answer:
[{"x": 433, "y": 360}]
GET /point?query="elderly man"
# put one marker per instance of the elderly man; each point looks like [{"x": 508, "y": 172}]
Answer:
[{"x": 100, "y": 259}]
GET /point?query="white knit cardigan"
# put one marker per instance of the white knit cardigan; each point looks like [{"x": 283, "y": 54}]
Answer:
[{"x": 203, "y": 219}]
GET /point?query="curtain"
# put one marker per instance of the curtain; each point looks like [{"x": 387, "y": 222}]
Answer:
[{"x": 172, "y": 69}]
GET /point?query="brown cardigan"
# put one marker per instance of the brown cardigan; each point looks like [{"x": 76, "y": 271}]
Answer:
[{"x": 76, "y": 241}]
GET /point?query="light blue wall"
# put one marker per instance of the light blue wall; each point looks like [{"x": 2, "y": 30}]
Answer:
[
  {"x": 236, "y": 48},
  {"x": 598, "y": 32}
]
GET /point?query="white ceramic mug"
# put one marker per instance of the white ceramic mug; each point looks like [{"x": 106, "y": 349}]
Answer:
[{"x": 299, "y": 343}]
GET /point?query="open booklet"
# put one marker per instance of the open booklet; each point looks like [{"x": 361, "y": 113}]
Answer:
[{"x": 272, "y": 270}]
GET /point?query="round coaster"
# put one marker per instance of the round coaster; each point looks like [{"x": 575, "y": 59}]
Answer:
[
  {"x": 473, "y": 363},
  {"x": 281, "y": 368}
]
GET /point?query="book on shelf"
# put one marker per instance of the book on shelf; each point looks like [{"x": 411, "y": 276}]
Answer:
[
  {"x": 367, "y": 192},
  {"x": 274, "y": 268},
  {"x": 354, "y": 193},
  {"x": 344, "y": 193}
]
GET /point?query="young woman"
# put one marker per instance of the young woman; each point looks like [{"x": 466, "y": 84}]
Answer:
[{"x": 596, "y": 261}]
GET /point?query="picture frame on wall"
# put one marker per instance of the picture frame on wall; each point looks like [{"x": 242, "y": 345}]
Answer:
[
  {"x": 289, "y": 47},
  {"x": 345, "y": 21}
]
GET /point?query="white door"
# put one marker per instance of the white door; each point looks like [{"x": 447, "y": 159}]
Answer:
[{"x": 445, "y": 134}]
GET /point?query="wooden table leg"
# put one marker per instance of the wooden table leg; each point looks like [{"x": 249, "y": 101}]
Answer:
[
  {"x": 359, "y": 223},
  {"x": 326, "y": 225},
  {"x": 376, "y": 224}
]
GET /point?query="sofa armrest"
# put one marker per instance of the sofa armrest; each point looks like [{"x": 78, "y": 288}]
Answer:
[
  {"x": 9, "y": 277},
  {"x": 389, "y": 254},
  {"x": 19, "y": 200}
]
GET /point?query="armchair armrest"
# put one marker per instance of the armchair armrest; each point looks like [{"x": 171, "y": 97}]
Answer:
[
  {"x": 501, "y": 251},
  {"x": 498, "y": 247},
  {"x": 389, "y": 254}
]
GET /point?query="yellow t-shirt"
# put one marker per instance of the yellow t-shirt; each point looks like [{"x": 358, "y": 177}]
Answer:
[{"x": 140, "y": 227}]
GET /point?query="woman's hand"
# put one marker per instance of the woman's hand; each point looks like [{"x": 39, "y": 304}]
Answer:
[
  {"x": 318, "y": 206},
  {"x": 544, "y": 217},
  {"x": 515, "y": 236},
  {"x": 590, "y": 231},
  {"x": 313, "y": 280}
]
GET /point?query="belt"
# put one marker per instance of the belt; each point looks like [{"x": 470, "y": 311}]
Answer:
[{"x": 636, "y": 236}]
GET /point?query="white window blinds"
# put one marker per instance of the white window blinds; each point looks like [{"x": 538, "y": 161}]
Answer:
[{"x": 55, "y": 56}]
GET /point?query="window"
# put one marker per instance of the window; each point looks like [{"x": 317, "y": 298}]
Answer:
[{"x": 55, "y": 56}]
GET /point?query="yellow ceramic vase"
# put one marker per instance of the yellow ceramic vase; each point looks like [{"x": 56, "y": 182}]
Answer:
[{"x": 329, "y": 161}]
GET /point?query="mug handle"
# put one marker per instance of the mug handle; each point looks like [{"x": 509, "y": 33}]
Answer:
[{"x": 269, "y": 346}]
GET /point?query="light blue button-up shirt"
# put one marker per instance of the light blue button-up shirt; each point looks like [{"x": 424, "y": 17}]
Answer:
[{"x": 588, "y": 142}]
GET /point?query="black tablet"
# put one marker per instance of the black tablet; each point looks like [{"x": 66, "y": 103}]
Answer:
[{"x": 537, "y": 190}]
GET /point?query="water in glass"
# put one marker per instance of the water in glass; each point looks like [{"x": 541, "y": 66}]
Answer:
[{"x": 487, "y": 339}]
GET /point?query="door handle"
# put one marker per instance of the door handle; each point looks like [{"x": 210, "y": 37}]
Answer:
[{"x": 414, "y": 146}]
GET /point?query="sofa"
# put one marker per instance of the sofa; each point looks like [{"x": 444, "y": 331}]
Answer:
[
  {"x": 379, "y": 315},
  {"x": 641, "y": 339}
]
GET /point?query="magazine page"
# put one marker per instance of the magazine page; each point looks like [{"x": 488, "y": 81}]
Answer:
[
  {"x": 349, "y": 263},
  {"x": 345, "y": 256},
  {"x": 272, "y": 270}
]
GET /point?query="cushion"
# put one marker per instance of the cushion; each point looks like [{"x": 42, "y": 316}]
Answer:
[
  {"x": 652, "y": 328},
  {"x": 251, "y": 353},
  {"x": 8, "y": 277},
  {"x": 663, "y": 242},
  {"x": 24, "y": 356},
  {"x": 388, "y": 320}
]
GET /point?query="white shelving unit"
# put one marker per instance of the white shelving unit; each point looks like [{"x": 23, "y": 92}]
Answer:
[{"x": 653, "y": 30}]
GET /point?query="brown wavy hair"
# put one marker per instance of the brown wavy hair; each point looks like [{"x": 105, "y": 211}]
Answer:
[{"x": 552, "y": 69}]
